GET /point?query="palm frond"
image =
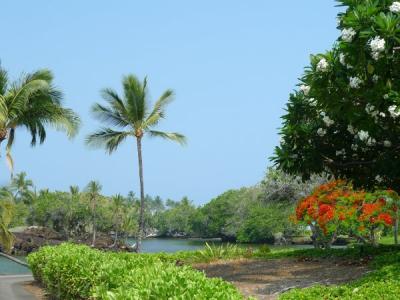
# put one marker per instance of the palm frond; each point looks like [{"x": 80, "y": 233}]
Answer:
[
  {"x": 135, "y": 94},
  {"x": 3, "y": 81},
  {"x": 109, "y": 115},
  {"x": 172, "y": 136},
  {"x": 107, "y": 138},
  {"x": 158, "y": 111}
]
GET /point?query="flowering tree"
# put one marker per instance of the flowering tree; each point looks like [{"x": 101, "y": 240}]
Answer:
[
  {"x": 336, "y": 207},
  {"x": 345, "y": 116}
]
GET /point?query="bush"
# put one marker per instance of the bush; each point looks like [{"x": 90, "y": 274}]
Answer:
[
  {"x": 336, "y": 208},
  {"x": 78, "y": 272}
]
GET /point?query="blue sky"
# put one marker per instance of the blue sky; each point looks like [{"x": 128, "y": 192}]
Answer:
[{"x": 231, "y": 63}]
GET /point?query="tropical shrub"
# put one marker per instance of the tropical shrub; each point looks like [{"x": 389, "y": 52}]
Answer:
[
  {"x": 78, "y": 272},
  {"x": 335, "y": 208}
]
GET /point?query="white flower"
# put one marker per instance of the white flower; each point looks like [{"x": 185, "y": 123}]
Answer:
[
  {"x": 354, "y": 147},
  {"x": 321, "y": 132},
  {"x": 371, "y": 142},
  {"x": 377, "y": 45},
  {"x": 386, "y": 96},
  {"x": 387, "y": 144},
  {"x": 382, "y": 114},
  {"x": 363, "y": 135},
  {"x": 322, "y": 65},
  {"x": 395, "y": 7},
  {"x": 355, "y": 82},
  {"x": 369, "y": 108},
  {"x": 351, "y": 129},
  {"x": 305, "y": 89},
  {"x": 328, "y": 121},
  {"x": 378, "y": 178},
  {"x": 342, "y": 59},
  {"x": 341, "y": 152},
  {"x": 394, "y": 113},
  {"x": 348, "y": 34},
  {"x": 375, "y": 78},
  {"x": 312, "y": 102}
]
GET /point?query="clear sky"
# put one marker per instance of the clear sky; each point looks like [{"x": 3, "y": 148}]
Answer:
[{"x": 231, "y": 63}]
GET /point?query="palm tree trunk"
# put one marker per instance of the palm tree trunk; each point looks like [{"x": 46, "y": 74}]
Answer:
[
  {"x": 142, "y": 204},
  {"x": 94, "y": 223}
]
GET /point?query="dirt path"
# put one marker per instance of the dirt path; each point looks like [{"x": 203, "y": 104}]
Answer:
[{"x": 266, "y": 279}]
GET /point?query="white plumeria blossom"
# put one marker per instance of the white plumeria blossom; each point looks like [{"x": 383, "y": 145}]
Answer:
[
  {"x": 321, "y": 132},
  {"x": 348, "y": 34},
  {"x": 341, "y": 152},
  {"x": 371, "y": 142},
  {"x": 351, "y": 129},
  {"x": 395, "y": 7},
  {"x": 355, "y": 82},
  {"x": 377, "y": 45},
  {"x": 312, "y": 102},
  {"x": 328, "y": 121},
  {"x": 394, "y": 112},
  {"x": 305, "y": 89},
  {"x": 322, "y": 65},
  {"x": 378, "y": 178},
  {"x": 363, "y": 135},
  {"x": 342, "y": 59},
  {"x": 387, "y": 144}
]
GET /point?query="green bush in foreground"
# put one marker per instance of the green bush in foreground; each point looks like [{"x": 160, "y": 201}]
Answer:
[
  {"x": 382, "y": 283},
  {"x": 78, "y": 272}
]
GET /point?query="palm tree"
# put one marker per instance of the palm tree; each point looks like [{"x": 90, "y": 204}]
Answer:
[
  {"x": 20, "y": 185},
  {"x": 32, "y": 102},
  {"x": 117, "y": 205},
  {"x": 131, "y": 116},
  {"x": 7, "y": 210},
  {"x": 93, "y": 190}
]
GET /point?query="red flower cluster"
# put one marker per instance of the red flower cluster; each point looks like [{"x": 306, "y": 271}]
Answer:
[{"x": 337, "y": 204}]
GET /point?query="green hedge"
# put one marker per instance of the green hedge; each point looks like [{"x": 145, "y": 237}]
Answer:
[{"x": 78, "y": 272}]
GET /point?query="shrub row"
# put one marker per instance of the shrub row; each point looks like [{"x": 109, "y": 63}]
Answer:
[{"x": 75, "y": 272}]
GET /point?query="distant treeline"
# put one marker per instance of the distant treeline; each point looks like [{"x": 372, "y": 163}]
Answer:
[{"x": 251, "y": 214}]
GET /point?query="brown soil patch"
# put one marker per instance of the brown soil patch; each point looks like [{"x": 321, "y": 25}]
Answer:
[
  {"x": 34, "y": 288},
  {"x": 266, "y": 279}
]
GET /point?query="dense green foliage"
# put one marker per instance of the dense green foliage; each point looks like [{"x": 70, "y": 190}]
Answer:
[
  {"x": 250, "y": 215},
  {"x": 78, "y": 272},
  {"x": 33, "y": 103},
  {"x": 345, "y": 117}
]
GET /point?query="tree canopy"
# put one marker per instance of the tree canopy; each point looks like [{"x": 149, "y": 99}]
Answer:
[{"x": 344, "y": 118}]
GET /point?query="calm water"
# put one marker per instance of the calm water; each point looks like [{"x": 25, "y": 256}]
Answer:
[{"x": 8, "y": 267}]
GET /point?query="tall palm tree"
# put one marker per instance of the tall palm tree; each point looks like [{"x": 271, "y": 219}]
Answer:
[
  {"x": 93, "y": 190},
  {"x": 117, "y": 206},
  {"x": 131, "y": 116},
  {"x": 20, "y": 185},
  {"x": 34, "y": 103},
  {"x": 7, "y": 210}
]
